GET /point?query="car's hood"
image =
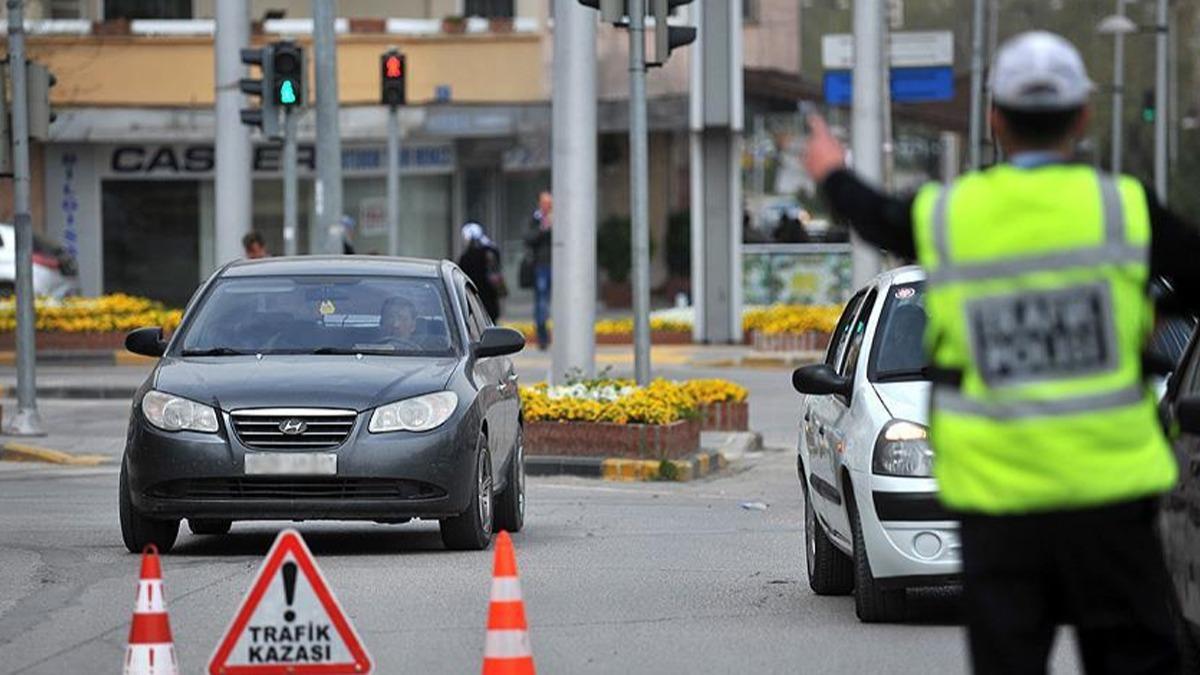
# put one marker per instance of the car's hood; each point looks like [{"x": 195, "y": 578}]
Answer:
[
  {"x": 906, "y": 400},
  {"x": 233, "y": 382}
]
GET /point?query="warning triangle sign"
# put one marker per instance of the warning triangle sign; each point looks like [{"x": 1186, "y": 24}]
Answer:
[{"x": 290, "y": 621}]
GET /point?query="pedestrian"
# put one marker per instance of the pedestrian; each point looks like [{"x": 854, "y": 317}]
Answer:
[
  {"x": 347, "y": 224},
  {"x": 254, "y": 245},
  {"x": 480, "y": 261},
  {"x": 1043, "y": 426},
  {"x": 538, "y": 240}
]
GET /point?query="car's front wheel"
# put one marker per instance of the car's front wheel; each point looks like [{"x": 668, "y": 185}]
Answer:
[
  {"x": 510, "y": 504},
  {"x": 209, "y": 526},
  {"x": 471, "y": 530},
  {"x": 137, "y": 530},
  {"x": 872, "y": 603},
  {"x": 830, "y": 572}
]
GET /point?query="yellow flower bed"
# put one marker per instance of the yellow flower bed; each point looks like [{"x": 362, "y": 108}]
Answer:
[
  {"x": 705, "y": 392},
  {"x": 660, "y": 402},
  {"x": 779, "y": 319},
  {"x": 109, "y": 313}
]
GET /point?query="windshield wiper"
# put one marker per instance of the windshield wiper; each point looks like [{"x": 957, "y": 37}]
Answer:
[
  {"x": 922, "y": 373},
  {"x": 215, "y": 351}
]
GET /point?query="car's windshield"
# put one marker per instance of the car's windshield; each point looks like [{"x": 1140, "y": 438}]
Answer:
[
  {"x": 898, "y": 353},
  {"x": 320, "y": 315}
]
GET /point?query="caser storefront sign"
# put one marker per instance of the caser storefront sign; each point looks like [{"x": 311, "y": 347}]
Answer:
[{"x": 198, "y": 161}]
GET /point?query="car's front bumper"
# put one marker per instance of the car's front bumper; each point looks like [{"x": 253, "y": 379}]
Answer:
[
  {"x": 390, "y": 476},
  {"x": 910, "y": 539}
]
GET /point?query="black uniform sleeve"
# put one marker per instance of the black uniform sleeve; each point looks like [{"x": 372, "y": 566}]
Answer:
[
  {"x": 881, "y": 220},
  {"x": 1174, "y": 246}
]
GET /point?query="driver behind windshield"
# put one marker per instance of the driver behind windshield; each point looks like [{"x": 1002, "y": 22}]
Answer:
[{"x": 398, "y": 321}]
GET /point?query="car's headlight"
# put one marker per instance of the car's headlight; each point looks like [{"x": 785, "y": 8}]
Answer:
[
  {"x": 172, "y": 413},
  {"x": 903, "y": 450},
  {"x": 421, "y": 413}
]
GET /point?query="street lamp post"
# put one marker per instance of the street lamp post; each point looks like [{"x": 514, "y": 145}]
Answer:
[{"x": 1118, "y": 25}]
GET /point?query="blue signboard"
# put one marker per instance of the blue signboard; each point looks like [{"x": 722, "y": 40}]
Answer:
[{"x": 909, "y": 85}]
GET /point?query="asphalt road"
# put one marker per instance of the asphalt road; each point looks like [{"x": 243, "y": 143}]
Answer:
[{"x": 618, "y": 577}]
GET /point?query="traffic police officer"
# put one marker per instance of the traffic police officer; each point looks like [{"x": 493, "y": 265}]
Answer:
[{"x": 1045, "y": 433}]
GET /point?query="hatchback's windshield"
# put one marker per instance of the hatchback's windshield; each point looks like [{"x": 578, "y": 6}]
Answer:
[
  {"x": 899, "y": 352},
  {"x": 321, "y": 315}
]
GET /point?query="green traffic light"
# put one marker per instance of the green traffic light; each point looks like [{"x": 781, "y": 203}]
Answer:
[
  {"x": 1148, "y": 115},
  {"x": 287, "y": 93}
]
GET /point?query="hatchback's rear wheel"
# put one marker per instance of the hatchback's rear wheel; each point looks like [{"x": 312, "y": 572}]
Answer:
[
  {"x": 137, "y": 530},
  {"x": 471, "y": 530},
  {"x": 830, "y": 572},
  {"x": 510, "y": 504},
  {"x": 209, "y": 526}
]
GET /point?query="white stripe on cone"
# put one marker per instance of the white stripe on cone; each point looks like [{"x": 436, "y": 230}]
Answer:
[
  {"x": 507, "y": 644},
  {"x": 506, "y": 589},
  {"x": 151, "y": 659},
  {"x": 150, "y": 597}
]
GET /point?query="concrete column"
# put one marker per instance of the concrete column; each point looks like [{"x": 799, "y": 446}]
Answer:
[{"x": 232, "y": 176}]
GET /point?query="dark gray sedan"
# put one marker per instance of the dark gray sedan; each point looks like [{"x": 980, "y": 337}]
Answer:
[{"x": 341, "y": 388}]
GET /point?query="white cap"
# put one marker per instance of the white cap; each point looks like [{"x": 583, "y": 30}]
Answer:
[{"x": 1039, "y": 71}]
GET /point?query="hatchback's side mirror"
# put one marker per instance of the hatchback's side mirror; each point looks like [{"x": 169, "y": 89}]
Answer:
[
  {"x": 146, "y": 341},
  {"x": 497, "y": 341},
  {"x": 820, "y": 379},
  {"x": 1187, "y": 413}
]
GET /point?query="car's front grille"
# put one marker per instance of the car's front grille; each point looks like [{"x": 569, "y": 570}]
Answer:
[
  {"x": 295, "y": 488},
  {"x": 293, "y": 428}
]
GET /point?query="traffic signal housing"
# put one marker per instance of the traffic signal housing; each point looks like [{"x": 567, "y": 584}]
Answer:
[
  {"x": 667, "y": 37},
  {"x": 611, "y": 11},
  {"x": 38, "y": 81},
  {"x": 393, "y": 70},
  {"x": 287, "y": 74},
  {"x": 1148, "y": 110},
  {"x": 266, "y": 116}
]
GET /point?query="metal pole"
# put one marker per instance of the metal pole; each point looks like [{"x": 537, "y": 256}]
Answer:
[
  {"x": 232, "y": 181},
  {"x": 870, "y": 68},
  {"x": 639, "y": 176},
  {"x": 974, "y": 152},
  {"x": 1118, "y": 100},
  {"x": 290, "y": 191},
  {"x": 1160, "y": 102},
  {"x": 327, "y": 190},
  {"x": 949, "y": 163},
  {"x": 573, "y": 237},
  {"x": 26, "y": 422},
  {"x": 393, "y": 180},
  {"x": 889, "y": 135}
]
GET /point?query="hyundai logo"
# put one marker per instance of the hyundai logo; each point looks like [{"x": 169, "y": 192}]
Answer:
[{"x": 293, "y": 427}]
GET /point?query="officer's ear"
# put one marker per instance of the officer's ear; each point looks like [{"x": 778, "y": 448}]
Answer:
[{"x": 1082, "y": 121}]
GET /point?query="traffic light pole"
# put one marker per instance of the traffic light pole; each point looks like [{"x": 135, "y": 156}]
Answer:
[
  {"x": 639, "y": 177},
  {"x": 1160, "y": 100},
  {"x": 27, "y": 422},
  {"x": 327, "y": 191},
  {"x": 393, "y": 180},
  {"x": 232, "y": 180},
  {"x": 290, "y": 232},
  {"x": 871, "y": 65}
]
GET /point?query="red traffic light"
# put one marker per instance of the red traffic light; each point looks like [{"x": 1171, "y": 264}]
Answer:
[{"x": 392, "y": 67}]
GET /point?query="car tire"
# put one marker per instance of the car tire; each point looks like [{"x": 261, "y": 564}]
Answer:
[
  {"x": 471, "y": 530},
  {"x": 209, "y": 526},
  {"x": 872, "y": 603},
  {"x": 137, "y": 530},
  {"x": 830, "y": 572},
  {"x": 510, "y": 504}
]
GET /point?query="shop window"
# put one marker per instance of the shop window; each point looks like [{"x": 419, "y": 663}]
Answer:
[
  {"x": 489, "y": 8},
  {"x": 148, "y": 9},
  {"x": 152, "y": 238}
]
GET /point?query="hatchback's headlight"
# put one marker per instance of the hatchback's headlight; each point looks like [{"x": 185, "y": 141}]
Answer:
[
  {"x": 172, "y": 413},
  {"x": 903, "y": 450},
  {"x": 421, "y": 413}
]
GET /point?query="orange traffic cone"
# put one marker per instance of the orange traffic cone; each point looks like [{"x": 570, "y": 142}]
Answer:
[
  {"x": 151, "y": 650},
  {"x": 507, "y": 650}
]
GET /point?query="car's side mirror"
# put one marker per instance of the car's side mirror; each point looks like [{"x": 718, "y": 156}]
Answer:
[
  {"x": 820, "y": 379},
  {"x": 146, "y": 341},
  {"x": 497, "y": 341},
  {"x": 1187, "y": 413}
]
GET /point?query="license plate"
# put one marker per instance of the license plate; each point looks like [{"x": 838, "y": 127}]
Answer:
[
  {"x": 291, "y": 464},
  {"x": 1038, "y": 336}
]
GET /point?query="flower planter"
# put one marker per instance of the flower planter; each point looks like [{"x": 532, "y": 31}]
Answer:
[
  {"x": 658, "y": 337},
  {"x": 789, "y": 342},
  {"x": 500, "y": 24},
  {"x": 111, "y": 27},
  {"x": 368, "y": 25},
  {"x": 599, "y": 439},
  {"x": 454, "y": 25},
  {"x": 725, "y": 416},
  {"x": 56, "y": 340}
]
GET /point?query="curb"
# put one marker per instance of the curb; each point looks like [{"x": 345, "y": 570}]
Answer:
[
  {"x": 77, "y": 392},
  {"x": 117, "y": 357},
  {"x": 21, "y": 452},
  {"x": 762, "y": 360},
  {"x": 696, "y": 466}
]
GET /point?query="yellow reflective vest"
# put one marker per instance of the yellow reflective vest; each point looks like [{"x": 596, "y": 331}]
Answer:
[{"x": 1037, "y": 296}]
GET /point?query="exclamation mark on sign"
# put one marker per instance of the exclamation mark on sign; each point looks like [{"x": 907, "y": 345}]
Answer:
[{"x": 289, "y": 589}]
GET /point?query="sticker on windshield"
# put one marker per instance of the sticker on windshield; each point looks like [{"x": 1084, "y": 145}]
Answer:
[
  {"x": 327, "y": 307},
  {"x": 1038, "y": 336},
  {"x": 905, "y": 292}
]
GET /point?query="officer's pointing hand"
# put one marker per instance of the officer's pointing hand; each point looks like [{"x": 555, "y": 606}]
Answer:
[{"x": 825, "y": 153}]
